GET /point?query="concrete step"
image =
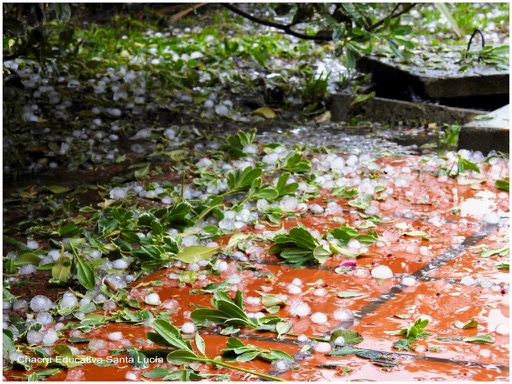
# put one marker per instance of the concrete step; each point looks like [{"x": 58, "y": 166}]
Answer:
[{"x": 487, "y": 134}]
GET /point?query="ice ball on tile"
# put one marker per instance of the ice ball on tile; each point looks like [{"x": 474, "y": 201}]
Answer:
[
  {"x": 40, "y": 303},
  {"x": 300, "y": 308},
  {"x": 319, "y": 318},
  {"x": 152, "y": 299},
  {"x": 382, "y": 272},
  {"x": 188, "y": 328}
]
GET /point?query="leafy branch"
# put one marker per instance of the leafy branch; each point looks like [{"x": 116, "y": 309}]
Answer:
[
  {"x": 183, "y": 354},
  {"x": 230, "y": 312}
]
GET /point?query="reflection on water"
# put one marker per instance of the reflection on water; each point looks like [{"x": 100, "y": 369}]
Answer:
[{"x": 345, "y": 140}]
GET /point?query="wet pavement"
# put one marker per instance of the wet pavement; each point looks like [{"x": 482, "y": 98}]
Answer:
[{"x": 438, "y": 273}]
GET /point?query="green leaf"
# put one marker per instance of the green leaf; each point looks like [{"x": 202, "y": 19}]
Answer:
[
  {"x": 321, "y": 253},
  {"x": 446, "y": 12},
  {"x": 362, "y": 98},
  {"x": 8, "y": 343},
  {"x": 194, "y": 253},
  {"x": 402, "y": 344},
  {"x": 349, "y": 294},
  {"x": 200, "y": 344},
  {"x": 57, "y": 189},
  {"x": 170, "y": 334},
  {"x": 349, "y": 336},
  {"x": 283, "y": 328},
  {"x": 266, "y": 192},
  {"x": 84, "y": 273},
  {"x": 503, "y": 185},
  {"x": 61, "y": 271},
  {"x": 62, "y": 12},
  {"x": 138, "y": 358},
  {"x": 497, "y": 251},
  {"x": 368, "y": 354},
  {"x": 344, "y": 192},
  {"x": 483, "y": 339},
  {"x": 470, "y": 324},
  {"x": 303, "y": 238},
  {"x": 343, "y": 351},
  {"x": 183, "y": 357}
]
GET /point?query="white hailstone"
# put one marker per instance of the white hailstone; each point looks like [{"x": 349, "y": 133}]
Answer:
[
  {"x": 152, "y": 299},
  {"x": 408, "y": 281},
  {"x": 250, "y": 148},
  {"x": 270, "y": 158},
  {"x": 221, "y": 110},
  {"x": 189, "y": 240},
  {"x": 44, "y": 318},
  {"x": 485, "y": 353},
  {"x": 401, "y": 181},
  {"x": 288, "y": 203},
  {"x": 115, "y": 336},
  {"x": 27, "y": 269},
  {"x": 296, "y": 281},
  {"x": 40, "y": 303},
  {"x": 315, "y": 208},
  {"x": 281, "y": 366},
  {"x": 220, "y": 266},
  {"x": 491, "y": 218},
  {"x": 319, "y": 318},
  {"x": 116, "y": 112},
  {"x": 204, "y": 162},
  {"x": 50, "y": 337},
  {"x": 320, "y": 292},
  {"x": 69, "y": 300},
  {"x": 196, "y": 55},
  {"x": 302, "y": 338},
  {"x": 188, "y": 328},
  {"x": 468, "y": 280},
  {"x": 227, "y": 225},
  {"x": 382, "y": 272},
  {"x": 344, "y": 315},
  {"x": 118, "y": 193},
  {"x": 32, "y": 244},
  {"x": 20, "y": 304},
  {"x": 97, "y": 344},
  {"x": 131, "y": 376},
  {"x": 193, "y": 267},
  {"x": 143, "y": 133},
  {"x": 322, "y": 347},
  {"x": 34, "y": 337},
  {"x": 170, "y": 134},
  {"x": 503, "y": 329},
  {"x": 294, "y": 289},
  {"x": 95, "y": 254},
  {"x": 209, "y": 104},
  {"x": 300, "y": 308},
  {"x": 119, "y": 264},
  {"x": 338, "y": 164},
  {"x": 234, "y": 279},
  {"x": 354, "y": 244},
  {"x": 253, "y": 300},
  {"x": 109, "y": 305},
  {"x": 333, "y": 209}
]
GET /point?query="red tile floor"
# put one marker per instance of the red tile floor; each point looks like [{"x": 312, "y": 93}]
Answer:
[{"x": 441, "y": 266}]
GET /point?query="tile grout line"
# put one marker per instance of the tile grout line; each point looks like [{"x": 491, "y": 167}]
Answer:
[{"x": 421, "y": 273}]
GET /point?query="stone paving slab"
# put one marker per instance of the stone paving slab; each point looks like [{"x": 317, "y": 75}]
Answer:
[
  {"x": 437, "y": 75},
  {"x": 488, "y": 134},
  {"x": 398, "y": 112}
]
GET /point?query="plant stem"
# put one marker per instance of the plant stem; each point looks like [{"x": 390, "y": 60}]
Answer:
[{"x": 226, "y": 365}]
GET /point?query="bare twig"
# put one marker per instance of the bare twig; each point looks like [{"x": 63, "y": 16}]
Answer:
[
  {"x": 283, "y": 27},
  {"x": 179, "y": 15},
  {"x": 406, "y": 8}
]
